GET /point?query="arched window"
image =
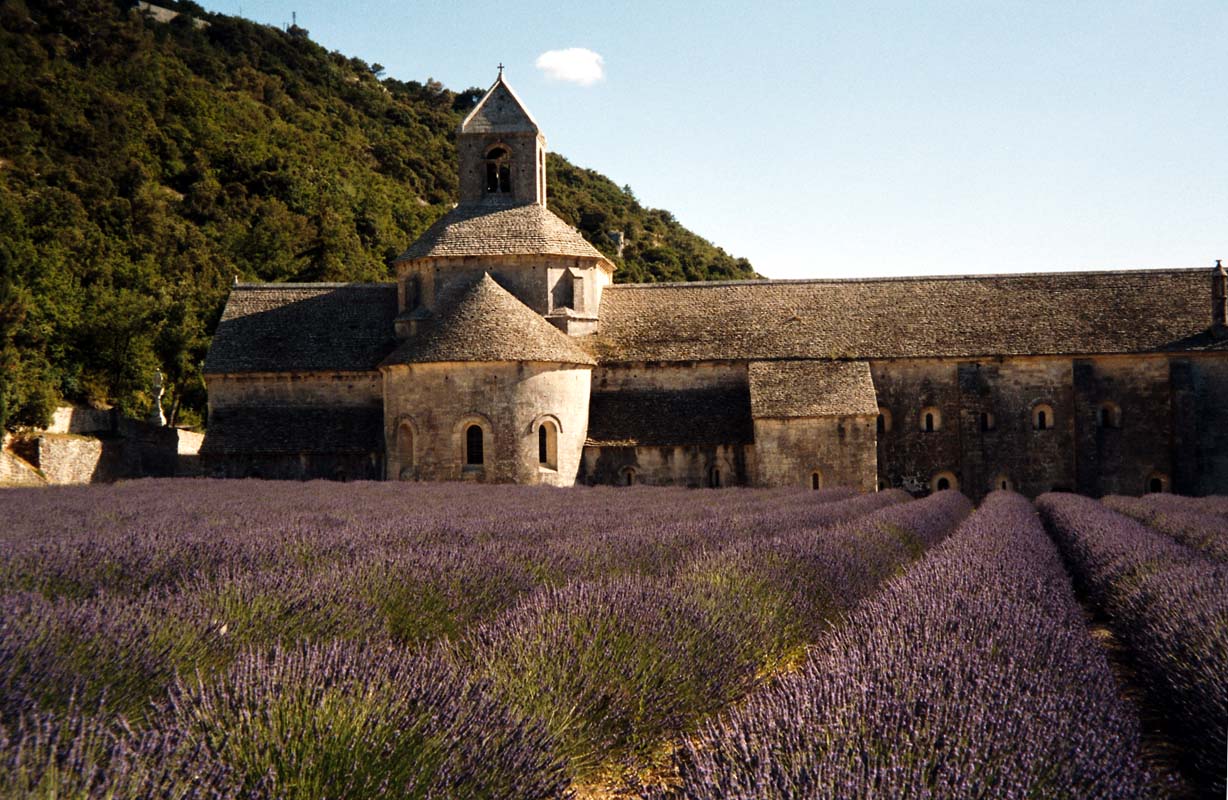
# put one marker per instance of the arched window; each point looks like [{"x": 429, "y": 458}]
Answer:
[
  {"x": 1158, "y": 482},
  {"x": 714, "y": 477},
  {"x": 498, "y": 170},
  {"x": 884, "y": 419},
  {"x": 943, "y": 480},
  {"x": 1042, "y": 417},
  {"x": 1108, "y": 415},
  {"x": 988, "y": 423},
  {"x": 931, "y": 419},
  {"x": 548, "y": 445},
  {"x": 1003, "y": 482},
  {"x": 816, "y": 480},
  {"x": 627, "y": 476},
  {"x": 474, "y": 457}
]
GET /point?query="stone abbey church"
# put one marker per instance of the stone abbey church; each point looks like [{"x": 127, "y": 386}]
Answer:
[{"x": 505, "y": 353}]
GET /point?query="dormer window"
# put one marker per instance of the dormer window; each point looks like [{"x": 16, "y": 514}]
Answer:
[{"x": 498, "y": 170}]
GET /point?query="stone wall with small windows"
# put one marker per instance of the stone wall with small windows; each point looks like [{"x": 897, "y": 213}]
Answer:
[
  {"x": 908, "y": 454},
  {"x": 428, "y": 409},
  {"x": 1098, "y": 426},
  {"x": 839, "y": 450},
  {"x": 1200, "y": 422},
  {"x": 1123, "y": 424}
]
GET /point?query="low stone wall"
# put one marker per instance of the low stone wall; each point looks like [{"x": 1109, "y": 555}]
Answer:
[
  {"x": 15, "y": 471},
  {"x": 69, "y": 458},
  {"x": 70, "y": 419}
]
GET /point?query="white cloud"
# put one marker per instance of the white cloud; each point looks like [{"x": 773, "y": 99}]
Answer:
[{"x": 574, "y": 65}]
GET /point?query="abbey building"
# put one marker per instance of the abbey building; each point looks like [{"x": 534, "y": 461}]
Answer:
[{"x": 505, "y": 352}]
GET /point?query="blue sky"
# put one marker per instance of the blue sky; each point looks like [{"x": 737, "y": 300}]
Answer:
[{"x": 857, "y": 138}]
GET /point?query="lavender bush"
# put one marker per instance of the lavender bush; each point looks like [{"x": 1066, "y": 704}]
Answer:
[
  {"x": 1169, "y": 604},
  {"x": 970, "y": 676},
  {"x": 368, "y": 720},
  {"x": 1189, "y": 520}
]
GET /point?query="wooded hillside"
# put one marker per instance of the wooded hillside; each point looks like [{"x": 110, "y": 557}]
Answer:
[{"x": 144, "y": 165}]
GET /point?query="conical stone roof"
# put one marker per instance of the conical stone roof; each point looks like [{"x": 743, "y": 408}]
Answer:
[
  {"x": 487, "y": 229},
  {"x": 482, "y": 321}
]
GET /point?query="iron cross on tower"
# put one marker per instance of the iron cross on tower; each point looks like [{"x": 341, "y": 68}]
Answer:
[{"x": 500, "y": 69}]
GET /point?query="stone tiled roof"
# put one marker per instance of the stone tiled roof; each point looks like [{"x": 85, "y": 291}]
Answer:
[
  {"x": 811, "y": 388},
  {"x": 710, "y": 416},
  {"x": 294, "y": 429},
  {"x": 499, "y": 111},
  {"x": 1056, "y": 313},
  {"x": 493, "y": 229},
  {"x": 304, "y": 327},
  {"x": 482, "y": 321}
]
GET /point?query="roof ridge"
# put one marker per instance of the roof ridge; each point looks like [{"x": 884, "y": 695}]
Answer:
[{"x": 905, "y": 278}]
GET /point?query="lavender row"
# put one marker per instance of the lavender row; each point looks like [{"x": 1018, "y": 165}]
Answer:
[
  {"x": 1202, "y": 530},
  {"x": 354, "y": 720},
  {"x": 1169, "y": 604},
  {"x": 82, "y": 541},
  {"x": 613, "y": 668},
  {"x": 972, "y": 675}
]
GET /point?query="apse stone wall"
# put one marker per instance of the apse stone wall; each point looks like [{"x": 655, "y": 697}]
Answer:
[{"x": 437, "y": 401}]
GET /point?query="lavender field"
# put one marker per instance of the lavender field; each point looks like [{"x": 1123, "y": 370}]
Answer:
[{"x": 213, "y": 639}]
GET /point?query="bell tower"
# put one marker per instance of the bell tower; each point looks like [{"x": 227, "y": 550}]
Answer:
[{"x": 502, "y": 151}]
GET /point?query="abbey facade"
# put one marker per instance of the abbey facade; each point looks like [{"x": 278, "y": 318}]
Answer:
[{"x": 505, "y": 353}]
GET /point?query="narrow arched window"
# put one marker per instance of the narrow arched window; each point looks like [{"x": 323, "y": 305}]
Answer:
[
  {"x": 929, "y": 423},
  {"x": 1109, "y": 415},
  {"x": 884, "y": 420},
  {"x": 1043, "y": 418},
  {"x": 474, "y": 456},
  {"x": 943, "y": 484},
  {"x": 987, "y": 421},
  {"x": 882, "y": 424},
  {"x": 1157, "y": 483},
  {"x": 714, "y": 478},
  {"x": 931, "y": 419},
  {"x": 816, "y": 481},
  {"x": 548, "y": 445},
  {"x": 628, "y": 476},
  {"x": 1003, "y": 482}
]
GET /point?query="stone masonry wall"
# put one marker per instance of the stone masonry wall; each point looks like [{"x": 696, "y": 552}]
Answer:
[
  {"x": 840, "y": 449},
  {"x": 691, "y": 466},
  {"x": 309, "y": 389},
  {"x": 987, "y": 434},
  {"x": 1200, "y": 419},
  {"x": 1122, "y": 456},
  {"x": 509, "y": 401},
  {"x": 908, "y": 456}
]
